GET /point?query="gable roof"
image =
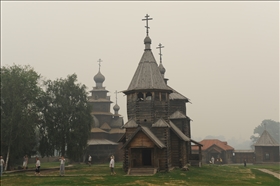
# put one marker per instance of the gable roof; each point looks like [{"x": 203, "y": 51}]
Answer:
[
  {"x": 207, "y": 143},
  {"x": 105, "y": 126},
  {"x": 100, "y": 142},
  {"x": 177, "y": 115},
  {"x": 160, "y": 123},
  {"x": 266, "y": 140},
  {"x": 176, "y": 95},
  {"x": 179, "y": 133},
  {"x": 93, "y": 130},
  {"x": 147, "y": 75},
  {"x": 130, "y": 124},
  {"x": 117, "y": 131},
  {"x": 149, "y": 134}
]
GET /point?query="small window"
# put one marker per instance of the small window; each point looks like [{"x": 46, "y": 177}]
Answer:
[
  {"x": 163, "y": 97},
  {"x": 149, "y": 96},
  {"x": 140, "y": 96},
  {"x": 267, "y": 156},
  {"x": 156, "y": 96}
]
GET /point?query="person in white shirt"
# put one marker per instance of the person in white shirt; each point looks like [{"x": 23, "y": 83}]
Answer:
[
  {"x": 38, "y": 165},
  {"x": 89, "y": 160},
  {"x": 62, "y": 166},
  {"x": 112, "y": 165},
  {"x": 2, "y": 162}
]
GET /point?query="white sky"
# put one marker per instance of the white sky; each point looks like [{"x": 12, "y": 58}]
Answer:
[{"x": 224, "y": 56}]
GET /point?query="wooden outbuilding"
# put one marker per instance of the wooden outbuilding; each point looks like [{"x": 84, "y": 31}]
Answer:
[{"x": 266, "y": 149}]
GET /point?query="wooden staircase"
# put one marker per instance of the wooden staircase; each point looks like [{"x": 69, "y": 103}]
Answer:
[{"x": 141, "y": 171}]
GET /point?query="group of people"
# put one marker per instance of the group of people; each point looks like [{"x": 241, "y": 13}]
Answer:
[
  {"x": 212, "y": 161},
  {"x": 111, "y": 164},
  {"x": 62, "y": 165}
]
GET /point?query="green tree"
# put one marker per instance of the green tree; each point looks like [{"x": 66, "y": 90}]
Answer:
[
  {"x": 67, "y": 118},
  {"x": 272, "y": 128},
  {"x": 20, "y": 92}
]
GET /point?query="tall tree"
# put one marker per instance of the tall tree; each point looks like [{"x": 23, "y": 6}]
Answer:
[
  {"x": 67, "y": 118},
  {"x": 272, "y": 128},
  {"x": 20, "y": 92}
]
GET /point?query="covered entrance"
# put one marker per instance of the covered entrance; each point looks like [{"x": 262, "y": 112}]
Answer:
[
  {"x": 141, "y": 157},
  {"x": 147, "y": 157}
]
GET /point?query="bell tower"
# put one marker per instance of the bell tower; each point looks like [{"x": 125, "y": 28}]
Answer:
[{"x": 147, "y": 94}]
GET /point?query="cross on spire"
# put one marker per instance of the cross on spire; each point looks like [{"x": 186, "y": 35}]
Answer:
[
  {"x": 99, "y": 61},
  {"x": 116, "y": 92},
  {"x": 160, "y": 54},
  {"x": 147, "y": 19}
]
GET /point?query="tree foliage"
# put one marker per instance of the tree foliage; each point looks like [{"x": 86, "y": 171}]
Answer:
[
  {"x": 272, "y": 128},
  {"x": 20, "y": 92},
  {"x": 66, "y": 118}
]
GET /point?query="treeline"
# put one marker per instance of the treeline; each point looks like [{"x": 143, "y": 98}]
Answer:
[{"x": 42, "y": 116}]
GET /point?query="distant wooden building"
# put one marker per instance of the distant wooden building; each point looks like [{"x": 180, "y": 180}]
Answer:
[
  {"x": 106, "y": 129},
  {"x": 266, "y": 149},
  {"x": 158, "y": 129},
  {"x": 240, "y": 155},
  {"x": 216, "y": 149}
]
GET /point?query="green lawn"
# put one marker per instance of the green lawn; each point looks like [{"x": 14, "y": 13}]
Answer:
[{"x": 82, "y": 174}]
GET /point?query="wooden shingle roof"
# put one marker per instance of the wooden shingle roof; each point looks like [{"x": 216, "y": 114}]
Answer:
[
  {"x": 130, "y": 124},
  {"x": 149, "y": 134},
  {"x": 147, "y": 75},
  {"x": 101, "y": 142},
  {"x": 160, "y": 123},
  {"x": 177, "y": 115},
  {"x": 176, "y": 95},
  {"x": 105, "y": 126},
  {"x": 266, "y": 140},
  {"x": 179, "y": 133}
]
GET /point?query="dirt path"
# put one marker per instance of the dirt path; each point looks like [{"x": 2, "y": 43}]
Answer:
[{"x": 270, "y": 172}]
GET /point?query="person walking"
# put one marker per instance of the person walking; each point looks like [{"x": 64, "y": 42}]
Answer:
[
  {"x": 213, "y": 160},
  {"x": 245, "y": 162},
  {"x": 112, "y": 165},
  {"x": 62, "y": 166},
  {"x": 2, "y": 163},
  {"x": 38, "y": 165},
  {"x": 89, "y": 160},
  {"x": 25, "y": 161}
]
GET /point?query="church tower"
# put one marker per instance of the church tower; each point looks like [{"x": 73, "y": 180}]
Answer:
[
  {"x": 147, "y": 94},
  {"x": 106, "y": 129}
]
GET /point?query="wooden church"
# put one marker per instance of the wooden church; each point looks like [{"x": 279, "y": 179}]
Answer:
[
  {"x": 158, "y": 133},
  {"x": 106, "y": 129}
]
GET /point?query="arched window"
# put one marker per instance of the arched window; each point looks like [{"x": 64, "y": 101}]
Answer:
[
  {"x": 140, "y": 96},
  {"x": 149, "y": 96}
]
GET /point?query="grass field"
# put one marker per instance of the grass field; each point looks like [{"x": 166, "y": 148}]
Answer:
[{"x": 81, "y": 174}]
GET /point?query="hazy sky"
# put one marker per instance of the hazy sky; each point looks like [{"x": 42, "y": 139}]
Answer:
[{"x": 223, "y": 56}]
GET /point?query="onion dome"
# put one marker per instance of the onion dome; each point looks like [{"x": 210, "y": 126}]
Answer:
[
  {"x": 116, "y": 107},
  {"x": 161, "y": 69},
  {"x": 147, "y": 42},
  {"x": 99, "y": 78}
]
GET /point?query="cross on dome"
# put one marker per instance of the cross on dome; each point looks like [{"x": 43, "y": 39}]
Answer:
[
  {"x": 160, "y": 46},
  {"x": 99, "y": 61},
  {"x": 147, "y": 19}
]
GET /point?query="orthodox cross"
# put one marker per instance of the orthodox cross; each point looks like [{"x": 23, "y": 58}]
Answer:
[
  {"x": 99, "y": 61},
  {"x": 116, "y": 92},
  {"x": 160, "y": 47},
  {"x": 147, "y": 19}
]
